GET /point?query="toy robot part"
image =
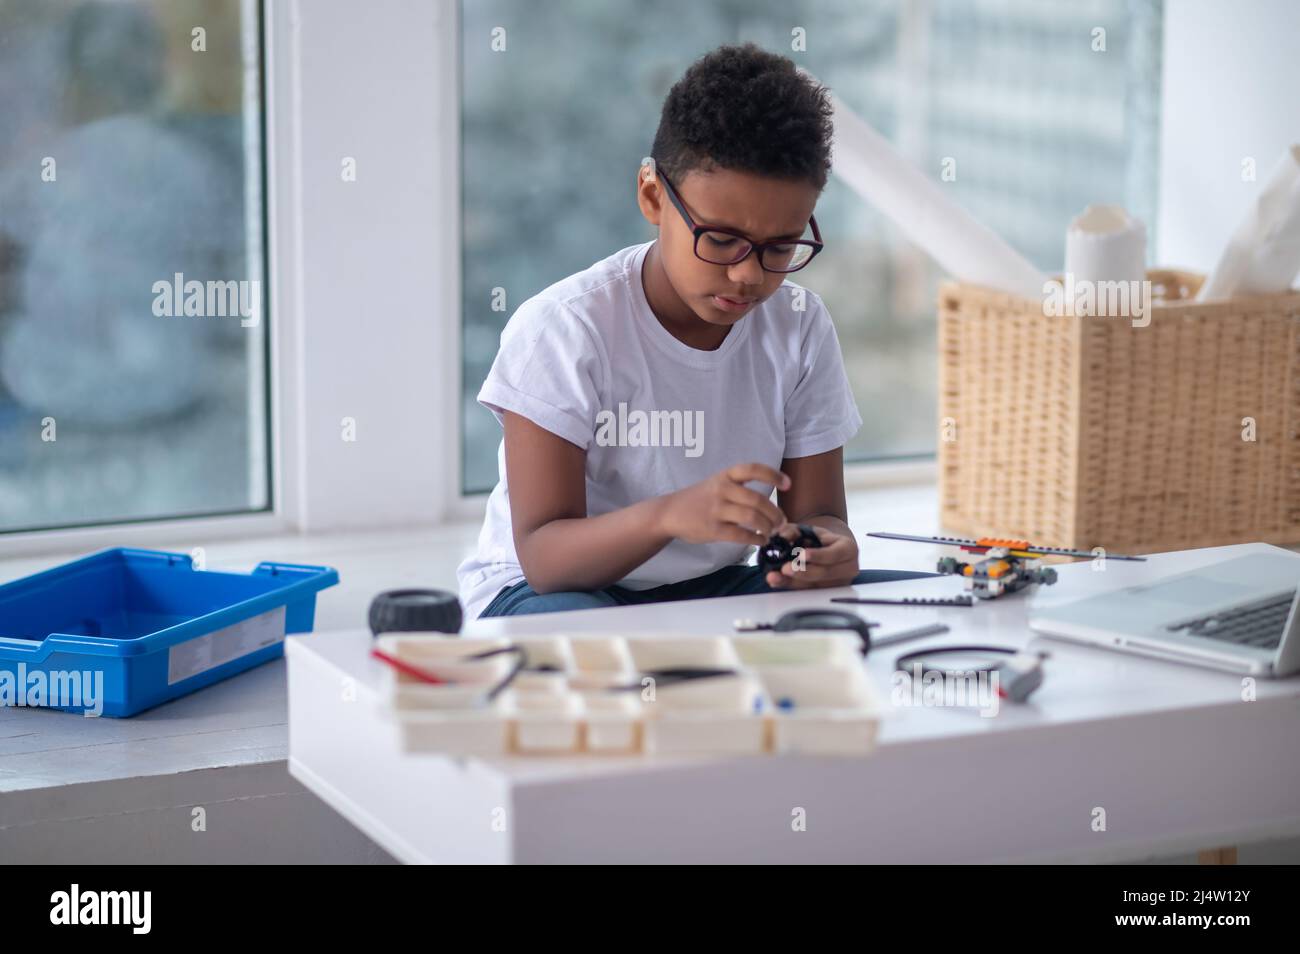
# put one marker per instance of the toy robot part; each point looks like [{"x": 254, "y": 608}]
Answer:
[
  {"x": 778, "y": 551},
  {"x": 1016, "y": 548},
  {"x": 415, "y": 611},
  {"x": 961, "y": 599}
]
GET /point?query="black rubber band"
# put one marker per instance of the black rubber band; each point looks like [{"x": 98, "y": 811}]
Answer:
[{"x": 902, "y": 661}]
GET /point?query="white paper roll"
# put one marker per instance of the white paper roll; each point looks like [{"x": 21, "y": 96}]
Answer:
[
  {"x": 1105, "y": 244},
  {"x": 1263, "y": 255},
  {"x": 967, "y": 250}
]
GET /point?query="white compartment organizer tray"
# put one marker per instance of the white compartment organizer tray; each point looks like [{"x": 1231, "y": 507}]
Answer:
[{"x": 629, "y": 695}]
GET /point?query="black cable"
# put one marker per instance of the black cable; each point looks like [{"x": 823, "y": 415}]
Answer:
[
  {"x": 521, "y": 659},
  {"x": 671, "y": 675},
  {"x": 902, "y": 661}
]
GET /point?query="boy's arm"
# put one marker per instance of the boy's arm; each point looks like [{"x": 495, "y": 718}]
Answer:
[
  {"x": 560, "y": 548},
  {"x": 816, "y": 497},
  {"x": 816, "y": 493}
]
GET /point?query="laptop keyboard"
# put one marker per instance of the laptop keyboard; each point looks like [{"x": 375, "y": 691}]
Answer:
[{"x": 1259, "y": 624}]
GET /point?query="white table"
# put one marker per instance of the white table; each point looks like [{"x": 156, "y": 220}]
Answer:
[{"x": 1171, "y": 754}]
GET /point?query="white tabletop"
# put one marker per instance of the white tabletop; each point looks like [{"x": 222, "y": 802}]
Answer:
[{"x": 1108, "y": 718}]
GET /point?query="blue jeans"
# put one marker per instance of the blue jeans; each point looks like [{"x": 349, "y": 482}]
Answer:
[{"x": 520, "y": 599}]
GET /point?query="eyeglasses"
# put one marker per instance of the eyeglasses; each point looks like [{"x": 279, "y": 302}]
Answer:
[{"x": 719, "y": 246}]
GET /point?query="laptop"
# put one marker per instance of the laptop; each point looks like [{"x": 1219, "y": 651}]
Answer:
[{"x": 1240, "y": 615}]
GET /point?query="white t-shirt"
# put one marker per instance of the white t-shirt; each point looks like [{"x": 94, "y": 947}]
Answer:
[{"x": 586, "y": 359}]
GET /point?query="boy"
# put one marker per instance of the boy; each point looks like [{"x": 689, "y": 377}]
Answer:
[{"x": 652, "y": 402}]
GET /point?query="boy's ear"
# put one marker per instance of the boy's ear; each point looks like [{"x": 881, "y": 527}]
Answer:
[{"x": 649, "y": 196}]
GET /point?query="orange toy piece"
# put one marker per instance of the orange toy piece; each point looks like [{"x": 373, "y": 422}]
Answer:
[
  {"x": 998, "y": 568},
  {"x": 991, "y": 542}
]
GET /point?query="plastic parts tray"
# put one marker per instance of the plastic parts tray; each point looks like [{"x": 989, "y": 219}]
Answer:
[
  {"x": 790, "y": 693},
  {"x": 123, "y": 630}
]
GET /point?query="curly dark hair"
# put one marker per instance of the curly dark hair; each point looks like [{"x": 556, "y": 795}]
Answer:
[{"x": 743, "y": 108}]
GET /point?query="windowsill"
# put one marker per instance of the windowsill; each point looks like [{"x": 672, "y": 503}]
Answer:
[{"x": 912, "y": 472}]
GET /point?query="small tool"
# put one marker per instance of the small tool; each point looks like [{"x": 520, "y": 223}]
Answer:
[{"x": 933, "y": 629}]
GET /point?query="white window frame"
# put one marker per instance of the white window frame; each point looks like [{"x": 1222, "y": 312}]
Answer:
[{"x": 400, "y": 272}]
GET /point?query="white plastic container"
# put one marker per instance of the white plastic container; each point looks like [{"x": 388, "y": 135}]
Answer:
[
  {"x": 788, "y": 693},
  {"x": 601, "y": 654},
  {"x": 547, "y": 722},
  {"x": 548, "y": 652},
  {"x": 667, "y": 652},
  {"x": 804, "y": 646},
  {"x": 723, "y": 714},
  {"x": 482, "y": 732},
  {"x": 613, "y": 722},
  {"x": 820, "y": 709},
  {"x": 444, "y": 658}
]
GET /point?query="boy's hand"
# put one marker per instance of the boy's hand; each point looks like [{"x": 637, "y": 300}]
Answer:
[
  {"x": 834, "y": 563},
  {"x": 721, "y": 508}
]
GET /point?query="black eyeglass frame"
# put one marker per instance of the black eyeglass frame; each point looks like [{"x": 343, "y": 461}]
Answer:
[{"x": 815, "y": 243}]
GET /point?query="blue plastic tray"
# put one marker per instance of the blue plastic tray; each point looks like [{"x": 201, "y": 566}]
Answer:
[{"x": 124, "y": 630}]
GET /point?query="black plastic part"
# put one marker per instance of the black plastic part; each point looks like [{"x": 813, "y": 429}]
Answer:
[
  {"x": 778, "y": 551},
  {"x": 415, "y": 611}
]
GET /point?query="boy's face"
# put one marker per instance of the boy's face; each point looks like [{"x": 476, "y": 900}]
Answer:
[{"x": 761, "y": 208}]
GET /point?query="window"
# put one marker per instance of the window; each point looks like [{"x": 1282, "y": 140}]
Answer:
[
  {"x": 1039, "y": 121},
  {"x": 133, "y": 334}
]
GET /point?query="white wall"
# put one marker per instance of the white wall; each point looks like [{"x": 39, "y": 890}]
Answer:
[{"x": 1231, "y": 90}]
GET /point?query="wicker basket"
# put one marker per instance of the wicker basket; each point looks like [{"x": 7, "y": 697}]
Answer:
[{"x": 1085, "y": 432}]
